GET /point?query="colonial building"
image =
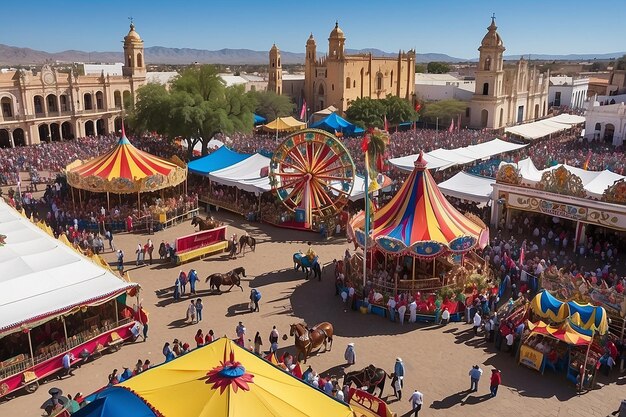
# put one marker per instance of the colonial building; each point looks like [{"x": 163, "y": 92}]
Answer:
[
  {"x": 606, "y": 122},
  {"x": 505, "y": 96},
  {"x": 46, "y": 105},
  {"x": 568, "y": 92},
  {"x": 337, "y": 79}
]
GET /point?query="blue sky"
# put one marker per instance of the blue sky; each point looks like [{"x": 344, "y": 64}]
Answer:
[{"x": 453, "y": 27}]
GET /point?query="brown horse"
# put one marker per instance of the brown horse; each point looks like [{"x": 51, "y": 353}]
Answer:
[
  {"x": 370, "y": 377},
  {"x": 246, "y": 240},
  {"x": 230, "y": 278},
  {"x": 208, "y": 224},
  {"x": 308, "y": 340}
]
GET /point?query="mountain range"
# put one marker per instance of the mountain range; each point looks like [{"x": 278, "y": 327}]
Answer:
[{"x": 11, "y": 55}]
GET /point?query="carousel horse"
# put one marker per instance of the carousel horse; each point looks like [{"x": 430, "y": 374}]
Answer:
[
  {"x": 246, "y": 240},
  {"x": 208, "y": 224},
  {"x": 370, "y": 377},
  {"x": 308, "y": 340},
  {"x": 231, "y": 278},
  {"x": 307, "y": 264}
]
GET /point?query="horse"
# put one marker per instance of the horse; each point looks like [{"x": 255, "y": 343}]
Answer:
[
  {"x": 208, "y": 224},
  {"x": 246, "y": 240},
  {"x": 230, "y": 278},
  {"x": 307, "y": 340},
  {"x": 302, "y": 261},
  {"x": 370, "y": 377}
]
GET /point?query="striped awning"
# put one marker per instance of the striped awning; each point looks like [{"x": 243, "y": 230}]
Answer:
[
  {"x": 125, "y": 169},
  {"x": 420, "y": 222}
]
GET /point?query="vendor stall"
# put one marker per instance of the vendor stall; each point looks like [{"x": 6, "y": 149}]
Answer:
[{"x": 77, "y": 306}]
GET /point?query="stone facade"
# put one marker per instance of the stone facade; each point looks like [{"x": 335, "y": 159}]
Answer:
[
  {"x": 505, "y": 96},
  {"x": 337, "y": 79},
  {"x": 45, "y": 105}
]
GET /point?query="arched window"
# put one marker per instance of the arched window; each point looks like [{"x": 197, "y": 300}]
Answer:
[
  {"x": 487, "y": 64},
  {"x": 38, "y": 102},
  {"x": 320, "y": 91},
  {"x": 88, "y": 104},
  {"x": 598, "y": 127},
  {"x": 501, "y": 118},
  {"x": 139, "y": 60},
  {"x": 485, "y": 89},
  {"x": 279, "y": 62},
  {"x": 348, "y": 82},
  {"x": 7, "y": 107},
  {"x": 130, "y": 61},
  {"x": 484, "y": 118},
  {"x": 467, "y": 112},
  {"x": 391, "y": 84},
  {"x": 379, "y": 81}
]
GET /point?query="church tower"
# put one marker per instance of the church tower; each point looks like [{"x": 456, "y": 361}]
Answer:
[
  {"x": 336, "y": 43},
  {"x": 488, "y": 93},
  {"x": 310, "y": 62},
  {"x": 134, "y": 65},
  {"x": 275, "y": 82}
]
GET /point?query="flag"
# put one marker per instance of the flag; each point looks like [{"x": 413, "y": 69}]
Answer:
[
  {"x": 418, "y": 106},
  {"x": 586, "y": 164},
  {"x": 385, "y": 124},
  {"x": 303, "y": 110},
  {"x": 451, "y": 128}
]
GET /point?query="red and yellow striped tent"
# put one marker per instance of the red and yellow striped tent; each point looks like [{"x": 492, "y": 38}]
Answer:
[
  {"x": 124, "y": 170},
  {"x": 420, "y": 222}
]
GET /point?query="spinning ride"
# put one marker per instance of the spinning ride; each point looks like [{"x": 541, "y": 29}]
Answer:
[{"x": 312, "y": 173}]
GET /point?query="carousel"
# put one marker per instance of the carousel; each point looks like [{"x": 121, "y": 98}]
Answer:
[
  {"x": 419, "y": 241},
  {"x": 125, "y": 170}
]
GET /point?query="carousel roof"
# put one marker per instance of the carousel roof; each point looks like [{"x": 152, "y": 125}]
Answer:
[
  {"x": 125, "y": 169},
  {"x": 420, "y": 221}
]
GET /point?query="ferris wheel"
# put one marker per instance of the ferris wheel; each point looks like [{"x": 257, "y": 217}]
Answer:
[{"x": 313, "y": 171}]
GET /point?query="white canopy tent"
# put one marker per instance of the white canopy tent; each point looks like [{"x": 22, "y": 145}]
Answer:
[
  {"x": 545, "y": 127},
  {"x": 248, "y": 175},
  {"x": 445, "y": 158},
  {"x": 594, "y": 182},
  {"x": 43, "y": 278},
  {"x": 468, "y": 187}
]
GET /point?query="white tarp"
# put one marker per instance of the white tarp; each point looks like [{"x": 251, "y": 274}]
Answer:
[
  {"x": 248, "y": 175},
  {"x": 468, "y": 187},
  {"x": 41, "y": 277},
  {"x": 594, "y": 182},
  {"x": 445, "y": 158},
  {"x": 545, "y": 127}
]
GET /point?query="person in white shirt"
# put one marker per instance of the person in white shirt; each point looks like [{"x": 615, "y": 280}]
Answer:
[
  {"x": 477, "y": 322},
  {"x": 391, "y": 304},
  {"x": 416, "y": 399},
  {"x": 445, "y": 316},
  {"x": 413, "y": 312}
]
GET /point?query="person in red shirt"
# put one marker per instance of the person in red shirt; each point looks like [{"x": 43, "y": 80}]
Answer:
[
  {"x": 209, "y": 337},
  {"x": 496, "y": 380},
  {"x": 199, "y": 338}
]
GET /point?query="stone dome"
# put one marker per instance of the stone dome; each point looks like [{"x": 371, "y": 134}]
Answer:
[
  {"x": 492, "y": 38},
  {"x": 337, "y": 32},
  {"x": 132, "y": 34}
]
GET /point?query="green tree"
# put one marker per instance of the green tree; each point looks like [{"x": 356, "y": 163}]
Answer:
[
  {"x": 398, "y": 110},
  {"x": 438, "y": 67},
  {"x": 620, "y": 64},
  {"x": 421, "y": 68},
  {"x": 444, "y": 110},
  {"x": 271, "y": 105},
  {"x": 198, "y": 106},
  {"x": 366, "y": 112}
]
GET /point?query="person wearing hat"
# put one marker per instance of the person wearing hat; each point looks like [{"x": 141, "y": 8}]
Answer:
[
  {"x": 475, "y": 373},
  {"x": 398, "y": 371},
  {"x": 496, "y": 380},
  {"x": 350, "y": 354},
  {"x": 192, "y": 277}
]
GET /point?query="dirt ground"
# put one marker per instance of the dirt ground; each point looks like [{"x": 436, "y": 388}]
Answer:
[{"x": 437, "y": 359}]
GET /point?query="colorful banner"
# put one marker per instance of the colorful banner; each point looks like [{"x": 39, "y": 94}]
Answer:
[
  {"x": 200, "y": 239},
  {"x": 530, "y": 357}
]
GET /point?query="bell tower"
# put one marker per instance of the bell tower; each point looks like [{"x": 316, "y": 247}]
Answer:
[
  {"x": 490, "y": 74},
  {"x": 275, "y": 82},
  {"x": 134, "y": 65},
  {"x": 336, "y": 43},
  {"x": 310, "y": 63}
]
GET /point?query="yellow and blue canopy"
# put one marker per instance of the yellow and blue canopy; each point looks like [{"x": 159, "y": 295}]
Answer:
[
  {"x": 222, "y": 379},
  {"x": 546, "y": 306},
  {"x": 589, "y": 316}
]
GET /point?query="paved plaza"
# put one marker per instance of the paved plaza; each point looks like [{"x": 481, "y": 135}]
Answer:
[{"x": 437, "y": 358}]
